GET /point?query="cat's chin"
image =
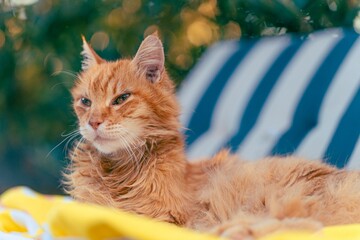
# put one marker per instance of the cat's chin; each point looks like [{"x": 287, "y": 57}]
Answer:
[
  {"x": 115, "y": 155},
  {"x": 106, "y": 148},
  {"x": 112, "y": 155},
  {"x": 109, "y": 148},
  {"x": 107, "y": 153}
]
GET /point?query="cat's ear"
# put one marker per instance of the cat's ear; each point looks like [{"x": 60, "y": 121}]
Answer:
[
  {"x": 90, "y": 57},
  {"x": 149, "y": 59}
]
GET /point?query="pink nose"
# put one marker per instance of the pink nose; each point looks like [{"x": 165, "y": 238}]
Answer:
[{"x": 95, "y": 124}]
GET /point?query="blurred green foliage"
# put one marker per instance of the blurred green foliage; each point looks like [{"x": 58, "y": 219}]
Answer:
[{"x": 40, "y": 49}]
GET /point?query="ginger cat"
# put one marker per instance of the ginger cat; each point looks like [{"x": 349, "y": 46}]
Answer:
[{"x": 132, "y": 157}]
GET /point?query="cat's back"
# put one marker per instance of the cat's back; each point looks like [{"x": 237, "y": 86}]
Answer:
[
  {"x": 227, "y": 169},
  {"x": 282, "y": 186}
]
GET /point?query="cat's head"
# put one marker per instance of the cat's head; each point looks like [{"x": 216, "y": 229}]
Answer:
[{"x": 124, "y": 103}]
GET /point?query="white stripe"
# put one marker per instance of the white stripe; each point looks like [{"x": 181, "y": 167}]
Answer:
[
  {"x": 354, "y": 162},
  {"x": 12, "y": 236},
  {"x": 197, "y": 82},
  {"x": 25, "y": 220},
  {"x": 339, "y": 96},
  {"x": 235, "y": 95},
  {"x": 278, "y": 110}
]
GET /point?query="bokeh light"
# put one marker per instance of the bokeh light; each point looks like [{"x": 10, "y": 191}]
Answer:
[
  {"x": 13, "y": 27},
  {"x": 43, "y": 7},
  {"x": 116, "y": 18},
  {"x": 202, "y": 32},
  {"x": 2, "y": 39},
  {"x": 152, "y": 29},
  {"x": 232, "y": 30},
  {"x": 208, "y": 9},
  {"x": 184, "y": 61},
  {"x": 131, "y": 6},
  {"x": 357, "y": 23},
  {"x": 99, "y": 40}
]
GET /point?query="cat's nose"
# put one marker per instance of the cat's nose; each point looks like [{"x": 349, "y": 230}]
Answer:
[{"x": 95, "y": 124}]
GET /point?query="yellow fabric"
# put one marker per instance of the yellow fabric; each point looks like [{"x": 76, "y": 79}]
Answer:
[
  {"x": 37, "y": 205},
  {"x": 341, "y": 232},
  {"x": 7, "y": 224},
  {"x": 31, "y": 215},
  {"x": 65, "y": 218}
]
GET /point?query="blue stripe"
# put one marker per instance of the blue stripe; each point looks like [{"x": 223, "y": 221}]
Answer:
[
  {"x": 200, "y": 121},
  {"x": 258, "y": 99},
  {"x": 346, "y": 135},
  {"x": 306, "y": 114}
]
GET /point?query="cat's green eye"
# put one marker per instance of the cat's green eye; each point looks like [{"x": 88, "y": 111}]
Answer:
[
  {"x": 85, "y": 102},
  {"x": 120, "y": 99}
]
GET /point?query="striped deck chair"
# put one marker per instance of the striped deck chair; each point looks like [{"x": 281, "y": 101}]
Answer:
[{"x": 281, "y": 95}]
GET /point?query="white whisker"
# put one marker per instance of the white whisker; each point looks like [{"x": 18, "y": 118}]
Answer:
[
  {"x": 130, "y": 144},
  {"x": 69, "y": 137},
  {"x": 70, "y": 73},
  {"x": 67, "y": 134},
  {"x": 78, "y": 143},
  {"x": 68, "y": 142}
]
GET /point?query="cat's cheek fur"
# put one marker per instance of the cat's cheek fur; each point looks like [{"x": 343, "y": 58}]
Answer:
[
  {"x": 133, "y": 127},
  {"x": 87, "y": 132},
  {"x": 80, "y": 111}
]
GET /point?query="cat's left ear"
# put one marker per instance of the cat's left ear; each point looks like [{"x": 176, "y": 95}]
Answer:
[
  {"x": 149, "y": 59},
  {"x": 90, "y": 57}
]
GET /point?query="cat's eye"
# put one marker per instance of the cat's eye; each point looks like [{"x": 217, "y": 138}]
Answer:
[
  {"x": 85, "y": 102},
  {"x": 120, "y": 99}
]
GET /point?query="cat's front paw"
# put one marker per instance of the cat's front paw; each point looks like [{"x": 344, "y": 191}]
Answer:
[
  {"x": 242, "y": 230},
  {"x": 234, "y": 230},
  {"x": 235, "y": 233}
]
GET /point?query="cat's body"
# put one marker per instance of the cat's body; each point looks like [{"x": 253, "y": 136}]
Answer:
[{"x": 133, "y": 158}]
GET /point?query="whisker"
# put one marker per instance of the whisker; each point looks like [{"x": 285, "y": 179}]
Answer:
[
  {"x": 71, "y": 139},
  {"x": 129, "y": 148},
  {"x": 67, "y": 134},
  {"x": 128, "y": 132},
  {"x": 78, "y": 143},
  {"x": 68, "y": 72},
  {"x": 129, "y": 143},
  {"x": 65, "y": 139},
  {"x": 57, "y": 84},
  {"x": 133, "y": 145}
]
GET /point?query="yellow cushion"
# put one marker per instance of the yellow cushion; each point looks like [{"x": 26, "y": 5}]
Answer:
[{"x": 25, "y": 212}]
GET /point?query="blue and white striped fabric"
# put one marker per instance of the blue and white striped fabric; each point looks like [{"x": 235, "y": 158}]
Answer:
[{"x": 280, "y": 95}]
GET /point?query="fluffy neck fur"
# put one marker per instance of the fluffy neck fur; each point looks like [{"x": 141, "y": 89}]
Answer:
[{"x": 138, "y": 188}]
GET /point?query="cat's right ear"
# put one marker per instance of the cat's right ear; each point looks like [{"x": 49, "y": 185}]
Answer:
[
  {"x": 90, "y": 57},
  {"x": 149, "y": 59}
]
